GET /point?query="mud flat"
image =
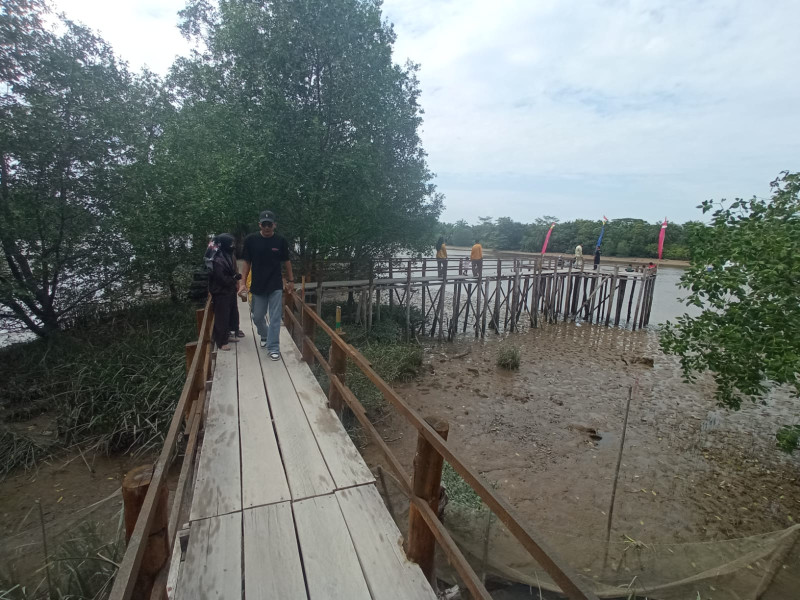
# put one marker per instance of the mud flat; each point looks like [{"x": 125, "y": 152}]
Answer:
[{"x": 547, "y": 437}]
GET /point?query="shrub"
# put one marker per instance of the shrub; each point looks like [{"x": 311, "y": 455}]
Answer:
[{"x": 508, "y": 357}]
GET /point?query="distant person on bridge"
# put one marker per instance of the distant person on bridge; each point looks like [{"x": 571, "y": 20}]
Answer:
[
  {"x": 596, "y": 258},
  {"x": 578, "y": 255},
  {"x": 222, "y": 287},
  {"x": 264, "y": 254},
  {"x": 476, "y": 258},
  {"x": 441, "y": 258}
]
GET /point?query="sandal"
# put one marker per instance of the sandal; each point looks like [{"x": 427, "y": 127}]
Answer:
[
  {"x": 225, "y": 348},
  {"x": 240, "y": 334}
]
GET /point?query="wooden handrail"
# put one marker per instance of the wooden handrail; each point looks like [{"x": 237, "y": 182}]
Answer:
[
  {"x": 537, "y": 548},
  {"x": 131, "y": 562}
]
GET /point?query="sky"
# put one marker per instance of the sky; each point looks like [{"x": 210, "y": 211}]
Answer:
[{"x": 617, "y": 108}]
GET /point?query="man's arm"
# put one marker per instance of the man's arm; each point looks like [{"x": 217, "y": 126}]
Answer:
[
  {"x": 289, "y": 283},
  {"x": 245, "y": 273}
]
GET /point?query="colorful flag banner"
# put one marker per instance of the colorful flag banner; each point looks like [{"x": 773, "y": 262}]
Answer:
[
  {"x": 602, "y": 231},
  {"x": 547, "y": 237},
  {"x": 661, "y": 238}
]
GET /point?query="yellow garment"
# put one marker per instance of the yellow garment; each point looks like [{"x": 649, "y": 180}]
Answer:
[
  {"x": 477, "y": 252},
  {"x": 442, "y": 253}
]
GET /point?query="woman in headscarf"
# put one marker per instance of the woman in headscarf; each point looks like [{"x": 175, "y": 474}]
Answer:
[{"x": 222, "y": 283}]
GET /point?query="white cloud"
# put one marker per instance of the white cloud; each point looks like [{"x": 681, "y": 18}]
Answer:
[{"x": 680, "y": 101}]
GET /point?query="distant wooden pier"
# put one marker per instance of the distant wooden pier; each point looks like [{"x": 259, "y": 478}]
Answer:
[{"x": 504, "y": 296}]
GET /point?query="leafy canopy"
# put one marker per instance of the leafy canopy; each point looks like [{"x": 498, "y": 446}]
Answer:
[{"x": 745, "y": 276}]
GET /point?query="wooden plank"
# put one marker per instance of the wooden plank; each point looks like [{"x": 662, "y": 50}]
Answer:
[
  {"x": 389, "y": 574},
  {"x": 329, "y": 557},
  {"x": 272, "y": 566},
  {"x": 213, "y": 566},
  {"x": 344, "y": 462},
  {"x": 305, "y": 468},
  {"x": 217, "y": 490},
  {"x": 263, "y": 477}
]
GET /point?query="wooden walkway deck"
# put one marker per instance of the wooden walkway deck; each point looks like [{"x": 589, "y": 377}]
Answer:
[{"x": 284, "y": 506}]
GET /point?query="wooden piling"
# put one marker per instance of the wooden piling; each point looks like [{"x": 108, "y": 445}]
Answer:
[
  {"x": 614, "y": 279},
  {"x": 408, "y": 301},
  {"x": 338, "y": 362},
  {"x": 639, "y": 300},
  {"x": 426, "y": 482},
  {"x": 134, "y": 489},
  {"x": 466, "y": 308},
  {"x": 441, "y": 305}
]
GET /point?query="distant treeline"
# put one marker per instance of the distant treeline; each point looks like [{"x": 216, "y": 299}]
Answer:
[{"x": 622, "y": 237}]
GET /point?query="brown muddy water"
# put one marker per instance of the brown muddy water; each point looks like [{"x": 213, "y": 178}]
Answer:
[{"x": 690, "y": 472}]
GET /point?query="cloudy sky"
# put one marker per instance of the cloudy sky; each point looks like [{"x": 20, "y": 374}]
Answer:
[{"x": 575, "y": 109}]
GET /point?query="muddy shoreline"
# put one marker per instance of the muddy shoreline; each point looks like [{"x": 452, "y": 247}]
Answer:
[{"x": 691, "y": 471}]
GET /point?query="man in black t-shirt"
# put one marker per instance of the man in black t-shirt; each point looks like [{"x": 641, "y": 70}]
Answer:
[{"x": 264, "y": 254}]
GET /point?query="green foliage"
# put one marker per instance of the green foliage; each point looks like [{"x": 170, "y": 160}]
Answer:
[
  {"x": 82, "y": 567},
  {"x": 508, "y": 357},
  {"x": 745, "y": 276},
  {"x": 298, "y": 106},
  {"x": 788, "y": 438},
  {"x": 66, "y": 135},
  {"x": 623, "y": 237},
  {"x": 113, "y": 383},
  {"x": 458, "y": 491}
]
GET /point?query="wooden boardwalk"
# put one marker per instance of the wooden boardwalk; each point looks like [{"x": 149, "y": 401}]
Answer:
[{"x": 284, "y": 506}]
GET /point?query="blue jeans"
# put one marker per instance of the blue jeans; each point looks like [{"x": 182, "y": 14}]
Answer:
[{"x": 266, "y": 312}]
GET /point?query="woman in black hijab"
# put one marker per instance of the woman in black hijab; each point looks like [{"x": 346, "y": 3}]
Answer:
[{"x": 222, "y": 283}]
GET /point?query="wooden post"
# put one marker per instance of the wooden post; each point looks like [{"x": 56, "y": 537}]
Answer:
[
  {"x": 369, "y": 295},
  {"x": 639, "y": 300},
  {"x": 198, "y": 315},
  {"x": 611, "y": 294},
  {"x": 498, "y": 284},
  {"x": 485, "y": 306},
  {"x": 466, "y": 308},
  {"x": 426, "y": 481},
  {"x": 391, "y": 288},
  {"x": 408, "y": 301},
  {"x": 623, "y": 283},
  {"x": 134, "y": 489},
  {"x": 630, "y": 300},
  {"x": 441, "y": 304},
  {"x": 338, "y": 362},
  {"x": 309, "y": 331},
  {"x": 319, "y": 296},
  {"x": 191, "y": 350},
  {"x": 478, "y": 287}
]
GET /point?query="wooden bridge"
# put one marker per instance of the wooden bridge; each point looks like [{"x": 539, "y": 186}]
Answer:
[
  {"x": 540, "y": 289},
  {"x": 274, "y": 501}
]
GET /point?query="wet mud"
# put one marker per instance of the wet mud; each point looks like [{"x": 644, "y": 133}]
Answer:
[{"x": 547, "y": 437}]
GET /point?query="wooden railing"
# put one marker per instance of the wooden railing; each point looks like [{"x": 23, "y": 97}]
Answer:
[
  {"x": 424, "y": 521},
  {"x": 148, "y": 580}
]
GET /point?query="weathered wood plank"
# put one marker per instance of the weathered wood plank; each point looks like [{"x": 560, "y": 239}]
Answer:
[
  {"x": 331, "y": 563},
  {"x": 305, "y": 468},
  {"x": 272, "y": 567},
  {"x": 341, "y": 456},
  {"x": 217, "y": 490},
  {"x": 263, "y": 477},
  {"x": 389, "y": 574},
  {"x": 213, "y": 566}
]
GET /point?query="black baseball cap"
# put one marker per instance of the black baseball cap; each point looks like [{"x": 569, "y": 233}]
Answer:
[{"x": 266, "y": 215}]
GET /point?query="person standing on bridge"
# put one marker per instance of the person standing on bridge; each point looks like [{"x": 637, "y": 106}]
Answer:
[
  {"x": 264, "y": 254},
  {"x": 222, "y": 287},
  {"x": 578, "y": 256},
  {"x": 476, "y": 258},
  {"x": 441, "y": 258}
]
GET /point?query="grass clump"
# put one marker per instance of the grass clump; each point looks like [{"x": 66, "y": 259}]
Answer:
[
  {"x": 82, "y": 567},
  {"x": 112, "y": 383},
  {"x": 458, "y": 491},
  {"x": 508, "y": 357}
]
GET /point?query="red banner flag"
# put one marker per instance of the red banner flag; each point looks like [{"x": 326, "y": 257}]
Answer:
[
  {"x": 547, "y": 238},
  {"x": 661, "y": 238}
]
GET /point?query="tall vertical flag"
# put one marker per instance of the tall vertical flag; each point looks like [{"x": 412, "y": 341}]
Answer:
[
  {"x": 547, "y": 237},
  {"x": 661, "y": 238},
  {"x": 602, "y": 231}
]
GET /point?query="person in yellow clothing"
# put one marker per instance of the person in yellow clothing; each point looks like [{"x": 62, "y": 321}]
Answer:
[
  {"x": 476, "y": 258},
  {"x": 441, "y": 258}
]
